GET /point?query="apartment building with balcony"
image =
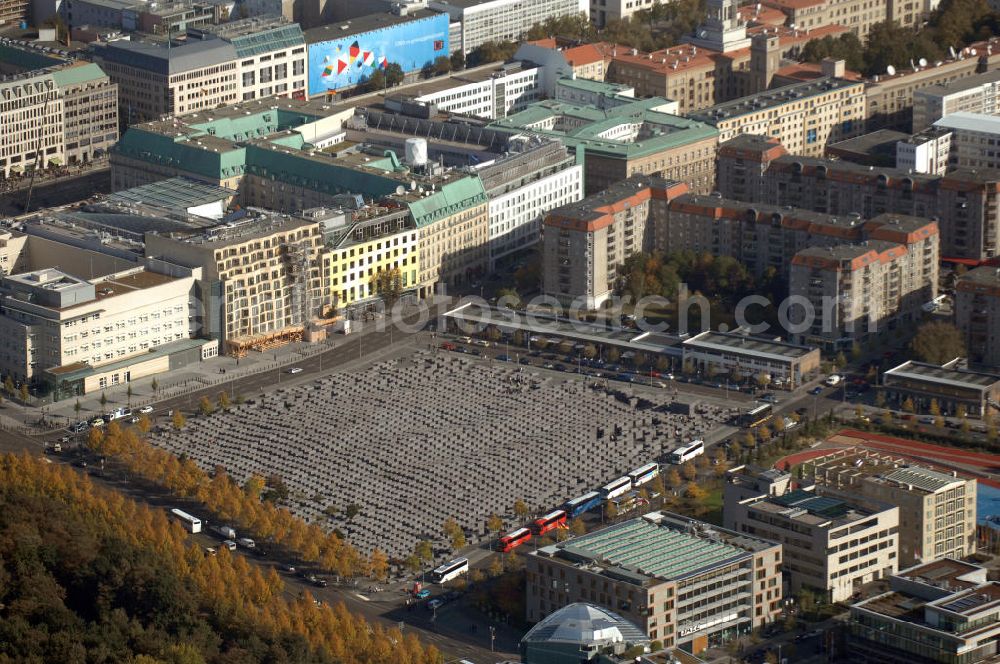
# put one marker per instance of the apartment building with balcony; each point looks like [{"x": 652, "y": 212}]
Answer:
[
  {"x": 977, "y": 314},
  {"x": 965, "y": 202},
  {"x": 584, "y": 243},
  {"x": 855, "y": 291},
  {"x": 683, "y": 582}
]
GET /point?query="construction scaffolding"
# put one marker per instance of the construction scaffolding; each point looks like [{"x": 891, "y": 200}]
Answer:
[{"x": 262, "y": 343}]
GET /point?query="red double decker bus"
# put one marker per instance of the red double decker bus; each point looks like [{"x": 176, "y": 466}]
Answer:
[
  {"x": 550, "y": 521},
  {"x": 514, "y": 539}
]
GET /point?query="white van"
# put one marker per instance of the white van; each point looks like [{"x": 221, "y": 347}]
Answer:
[{"x": 833, "y": 380}]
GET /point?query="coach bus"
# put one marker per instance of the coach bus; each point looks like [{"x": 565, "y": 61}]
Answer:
[
  {"x": 550, "y": 521},
  {"x": 581, "y": 504},
  {"x": 514, "y": 539},
  {"x": 642, "y": 475},
  {"x": 616, "y": 488},
  {"x": 685, "y": 453},
  {"x": 191, "y": 523},
  {"x": 757, "y": 415},
  {"x": 450, "y": 570}
]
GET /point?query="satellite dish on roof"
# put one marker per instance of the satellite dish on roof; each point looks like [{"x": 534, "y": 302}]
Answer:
[
  {"x": 922, "y": 62},
  {"x": 972, "y": 51},
  {"x": 400, "y": 190},
  {"x": 703, "y": 33},
  {"x": 951, "y": 49},
  {"x": 890, "y": 70}
]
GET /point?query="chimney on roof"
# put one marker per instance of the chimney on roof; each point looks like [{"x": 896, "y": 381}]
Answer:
[{"x": 832, "y": 67}]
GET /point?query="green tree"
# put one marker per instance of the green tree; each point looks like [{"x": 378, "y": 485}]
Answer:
[
  {"x": 457, "y": 60},
  {"x": 520, "y": 509},
  {"x": 423, "y": 551},
  {"x": 178, "y": 420},
  {"x": 442, "y": 65},
  {"x": 509, "y": 298},
  {"x": 394, "y": 74},
  {"x": 8, "y": 386},
  {"x": 908, "y": 405},
  {"x": 352, "y": 510},
  {"x": 224, "y": 400},
  {"x": 934, "y": 408},
  {"x": 494, "y": 524},
  {"x": 937, "y": 342}
]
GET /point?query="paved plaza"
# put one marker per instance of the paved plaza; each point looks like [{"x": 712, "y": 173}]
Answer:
[{"x": 417, "y": 440}]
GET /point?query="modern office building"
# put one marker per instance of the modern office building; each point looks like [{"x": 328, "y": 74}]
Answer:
[
  {"x": 217, "y": 66},
  {"x": 942, "y": 612},
  {"x": 720, "y": 353},
  {"x": 973, "y": 141},
  {"x": 490, "y": 94},
  {"x": 54, "y": 111},
  {"x": 926, "y": 152},
  {"x": 81, "y": 335},
  {"x": 977, "y": 314},
  {"x": 585, "y": 243},
  {"x": 681, "y": 581},
  {"x": 523, "y": 186},
  {"x": 950, "y": 385},
  {"x": 579, "y": 632},
  {"x": 804, "y": 117},
  {"x": 971, "y": 94},
  {"x": 635, "y": 138},
  {"x": 964, "y": 201},
  {"x": 937, "y": 510},
  {"x": 832, "y": 543},
  {"x": 479, "y": 21}
]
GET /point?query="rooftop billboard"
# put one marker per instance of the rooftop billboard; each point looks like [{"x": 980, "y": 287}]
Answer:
[{"x": 343, "y": 63}]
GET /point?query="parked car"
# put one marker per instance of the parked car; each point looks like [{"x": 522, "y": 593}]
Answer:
[
  {"x": 816, "y": 390},
  {"x": 423, "y": 593},
  {"x": 146, "y": 410},
  {"x": 927, "y": 419},
  {"x": 97, "y": 422}
]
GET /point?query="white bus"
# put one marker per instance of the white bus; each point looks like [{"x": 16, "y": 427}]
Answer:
[
  {"x": 191, "y": 523},
  {"x": 450, "y": 570},
  {"x": 644, "y": 474},
  {"x": 616, "y": 488},
  {"x": 685, "y": 453}
]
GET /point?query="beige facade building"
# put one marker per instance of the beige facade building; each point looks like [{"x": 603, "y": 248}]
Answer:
[
  {"x": 53, "y": 111},
  {"x": 585, "y": 243},
  {"x": 217, "y": 66},
  {"x": 857, "y": 15},
  {"x": 855, "y": 291},
  {"x": 52, "y": 321},
  {"x": 832, "y": 543},
  {"x": 683, "y": 582},
  {"x": 977, "y": 314},
  {"x": 805, "y": 117},
  {"x": 937, "y": 511},
  {"x": 261, "y": 278},
  {"x": 891, "y": 97}
]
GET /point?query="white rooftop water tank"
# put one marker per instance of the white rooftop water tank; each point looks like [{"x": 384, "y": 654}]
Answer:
[{"x": 416, "y": 151}]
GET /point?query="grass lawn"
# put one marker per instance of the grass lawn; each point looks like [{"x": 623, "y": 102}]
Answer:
[{"x": 713, "y": 506}]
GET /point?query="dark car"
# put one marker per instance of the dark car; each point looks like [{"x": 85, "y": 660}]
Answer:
[
  {"x": 319, "y": 581},
  {"x": 524, "y": 360},
  {"x": 768, "y": 398},
  {"x": 816, "y": 390},
  {"x": 503, "y": 358}
]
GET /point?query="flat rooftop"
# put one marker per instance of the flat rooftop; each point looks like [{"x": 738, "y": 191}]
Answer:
[
  {"x": 960, "y": 85},
  {"x": 771, "y": 99},
  {"x": 598, "y": 205},
  {"x": 177, "y": 193},
  {"x": 872, "y": 143},
  {"x": 964, "y": 121},
  {"x": 986, "y": 275},
  {"x": 368, "y": 23},
  {"x": 657, "y": 546},
  {"x": 943, "y": 376},
  {"x": 946, "y": 572},
  {"x": 923, "y": 479},
  {"x": 737, "y": 343}
]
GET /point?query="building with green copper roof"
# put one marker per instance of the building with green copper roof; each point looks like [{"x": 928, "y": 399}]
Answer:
[
  {"x": 45, "y": 89},
  {"x": 684, "y": 582},
  {"x": 636, "y": 137}
]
